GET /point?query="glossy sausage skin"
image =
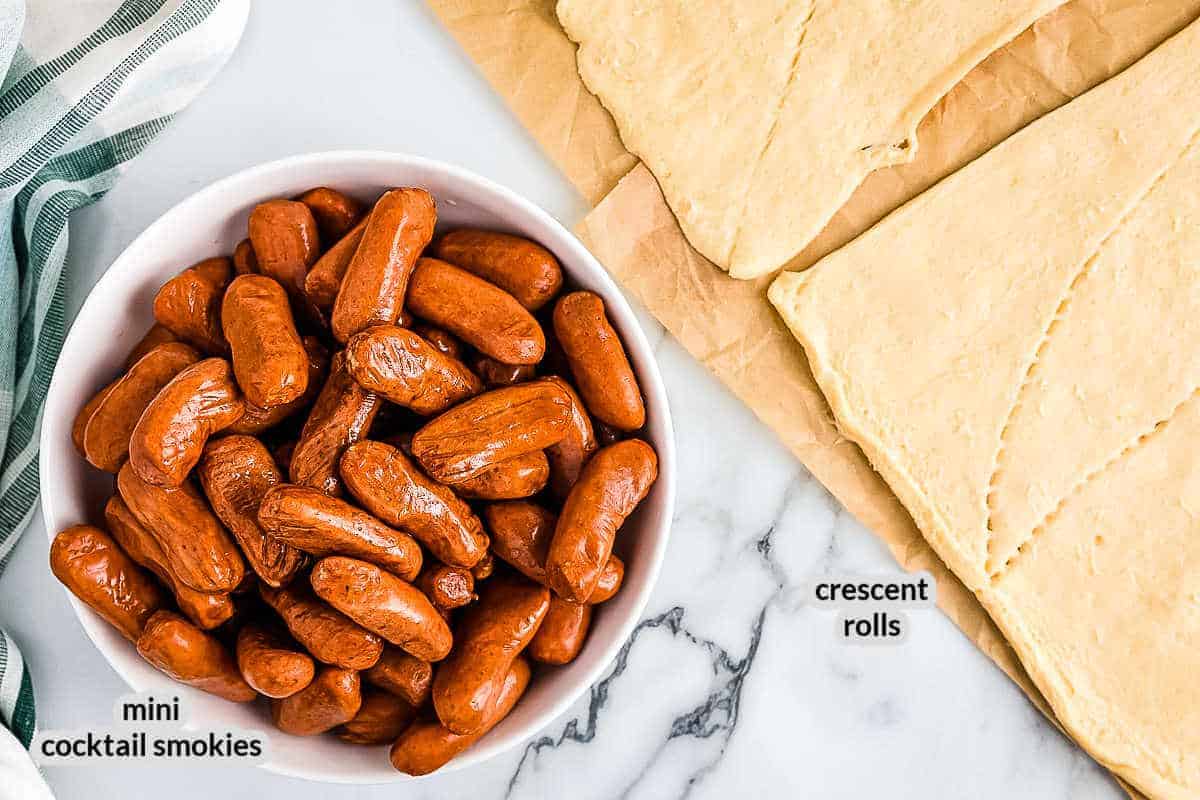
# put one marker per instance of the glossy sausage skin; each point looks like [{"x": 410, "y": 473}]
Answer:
[
  {"x": 316, "y": 523},
  {"x": 332, "y": 699},
  {"x": 199, "y": 551},
  {"x": 342, "y": 415},
  {"x": 381, "y": 718},
  {"x": 521, "y": 535},
  {"x": 110, "y": 425},
  {"x": 217, "y": 269},
  {"x": 376, "y": 280},
  {"x": 85, "y": 414},
  {"x": 494, "y": 373},
  {"x": 562, "y": 633},
  {"x": 524, "y": 269},
  {"x": 598, "y": 361},
  {"x": 256, "y": 419},
  {"x": 236, "y": 472},
  {"x": 442, "y": 341},
  {"x": 206, "y": 609},
  {"x": 169, "y": 437},
  {"x": 189, "y": 655},
  {"x": 493, "y": 427},
  {"x": 270, "y": 663},
  {"x": 391, "y": 487},
  {"x": 335, "y": 212},
  {"x": 484, "y": 569},
  {"x": 330, "y": 636},
  {"x": 402, "y": 674},
  {"x": 612, "y": 484},
  {"x": 407, "y": 370},
  {"x": 568, "y": 455},
  {"x": 244, "y": 260},
  {"x": 285, "y": 240},
  {"x": 489, "y": 637},
  {"x": 325, "y": 278},
  {"x": 269, "y": 360},
  {"x": 611, "y": 578},
  {"x": 480, "y": 313},
  {"x": 189, "y": 305},
  {"x": 158, "y": 334},
  {"x": 384, "y": 604},
  {"x": 447, "y": 587},
  {"x": 93, "y": 567},
  {"x": 428, "y": 745},
  {"x": 523, "y": 476}
]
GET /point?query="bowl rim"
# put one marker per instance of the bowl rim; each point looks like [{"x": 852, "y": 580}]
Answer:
[{"x": 633, "y": 335}]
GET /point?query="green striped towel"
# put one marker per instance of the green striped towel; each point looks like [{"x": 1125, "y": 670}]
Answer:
[{"x": 87, "y": 84}]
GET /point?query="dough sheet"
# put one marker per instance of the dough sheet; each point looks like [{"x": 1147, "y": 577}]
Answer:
[
  {"x": 1015, "y": 352},
  {"x": 760, "y": 119}
]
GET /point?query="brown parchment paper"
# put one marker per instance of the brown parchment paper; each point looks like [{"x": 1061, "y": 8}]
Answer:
[{"x": 728, "y": 324}]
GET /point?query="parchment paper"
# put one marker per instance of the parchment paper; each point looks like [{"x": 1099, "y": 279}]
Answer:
[{"x": 728, "y": 324}]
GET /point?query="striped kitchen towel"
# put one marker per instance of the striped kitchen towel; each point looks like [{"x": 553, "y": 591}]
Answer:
[{"x": 87, "y": 84}]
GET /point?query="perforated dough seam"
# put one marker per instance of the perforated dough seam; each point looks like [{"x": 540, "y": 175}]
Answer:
[
  {"x": 1078, "y": 487},
  {"x": 787, "y": 90},
  {"x": 1026, "y": 380}
]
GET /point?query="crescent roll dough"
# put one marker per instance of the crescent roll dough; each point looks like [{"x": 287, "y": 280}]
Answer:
[
  {"x": 1017, "y": 351},
  {"x": 760, "y": 118}
]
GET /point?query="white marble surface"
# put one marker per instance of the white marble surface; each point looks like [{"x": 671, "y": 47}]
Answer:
[{"x": 730, "y": 687}]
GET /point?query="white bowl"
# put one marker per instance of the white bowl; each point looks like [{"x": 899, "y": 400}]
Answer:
[{"x": 118, "y": 312}]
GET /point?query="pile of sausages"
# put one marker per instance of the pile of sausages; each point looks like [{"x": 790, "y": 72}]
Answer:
[{"x": 381, "y": 540}]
